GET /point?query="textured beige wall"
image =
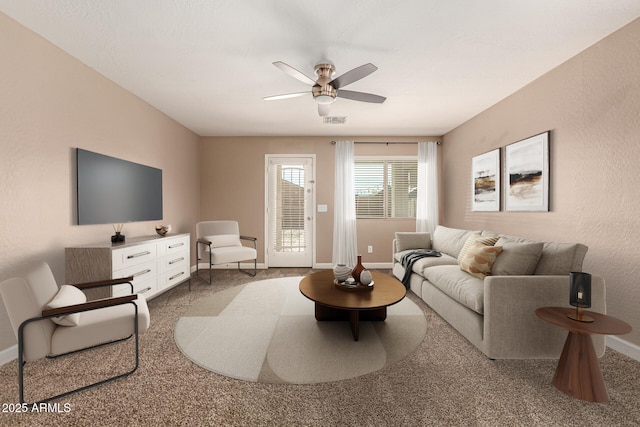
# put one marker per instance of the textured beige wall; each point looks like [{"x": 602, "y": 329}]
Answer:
[
  {"x": 232, "y": 187},
  {"x": 591, "y": 105},
  {"x": 49, "y": 104}
]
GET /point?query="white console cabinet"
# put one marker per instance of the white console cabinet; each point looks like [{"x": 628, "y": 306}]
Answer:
[{"x": 156, "y": 264}]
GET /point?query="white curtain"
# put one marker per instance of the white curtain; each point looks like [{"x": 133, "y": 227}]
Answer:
[
  {"x": 427, "y": 198},
  {"x": 345, "y": 242}
]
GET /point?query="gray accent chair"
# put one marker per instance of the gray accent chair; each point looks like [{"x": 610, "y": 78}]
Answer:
[{"x": 221, "y": 243}]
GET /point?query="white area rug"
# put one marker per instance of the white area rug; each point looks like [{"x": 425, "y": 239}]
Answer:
[{"x": 266, "y": 331}]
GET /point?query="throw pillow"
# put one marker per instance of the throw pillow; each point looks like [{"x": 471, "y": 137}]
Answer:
[
  {"x": 479, "y": 259},
  {"x": 517, "y": 259},
  {"x": 221, "y": 240},
  {"x": 67, "y": 295},
  {"x": 485, "y": 240}
]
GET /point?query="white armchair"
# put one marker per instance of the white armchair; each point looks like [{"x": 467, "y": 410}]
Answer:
[
  {"x": 221, "y": 242},
  {"x": 50, "y": 322}
]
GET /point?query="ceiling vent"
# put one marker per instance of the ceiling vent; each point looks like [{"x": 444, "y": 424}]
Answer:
[{"x": 335, "y": 120}]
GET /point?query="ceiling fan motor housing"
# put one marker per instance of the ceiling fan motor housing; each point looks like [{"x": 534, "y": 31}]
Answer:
[{"x": 322, "y": 91}]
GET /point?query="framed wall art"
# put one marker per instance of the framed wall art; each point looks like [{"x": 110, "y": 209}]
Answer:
[
  {"x": 485, "y": 181},
  {"x": 527, "y": 174}
]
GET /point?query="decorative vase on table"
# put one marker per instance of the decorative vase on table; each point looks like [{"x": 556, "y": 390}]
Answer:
[
  {"x": 355, "y": 273},
  {"x": 341, "y": 272},
  {"x": 365, "y": 277}
]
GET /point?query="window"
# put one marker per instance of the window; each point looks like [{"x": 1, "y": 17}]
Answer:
[
  {"x": 289, "y": 208},
  {"x": 386, "y": 188}
]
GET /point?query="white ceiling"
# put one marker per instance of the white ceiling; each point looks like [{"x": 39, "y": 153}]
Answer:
[{"x": 208, "y": 63}]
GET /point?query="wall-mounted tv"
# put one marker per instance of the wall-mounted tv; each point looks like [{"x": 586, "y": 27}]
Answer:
[{"x": 114, "y": 191}]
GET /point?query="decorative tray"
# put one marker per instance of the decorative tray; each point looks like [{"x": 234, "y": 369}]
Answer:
[{"x": 352, "y": 286}]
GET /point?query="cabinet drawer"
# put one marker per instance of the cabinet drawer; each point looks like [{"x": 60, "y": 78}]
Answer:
[
  {"x": 174, "y": 261},
  {"x": 140, "y": 272},
  {"x": 133, "y": 255},
  {"x": 146, "y": 287},
  {"x": 174, "y": 276},
  {"x": 174, "y": 245}
]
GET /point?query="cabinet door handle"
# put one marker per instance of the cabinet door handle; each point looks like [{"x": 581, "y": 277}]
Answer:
[
  {"x": 177, "y": 245},
  {"x": 176, "y": 275},
  {"x": 140, "y": 273},
  {"x": 176, "y": 260},
  {"x": 139, "y": 254}
]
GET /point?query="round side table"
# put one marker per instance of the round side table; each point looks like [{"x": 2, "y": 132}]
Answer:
[{"x": 578, "y": 373}]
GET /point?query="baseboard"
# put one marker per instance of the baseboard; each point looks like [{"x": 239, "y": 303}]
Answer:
[
  {"x": 625, "y": 347},
  {"x": 9, "y": 354},
  {"x": 371, "y": 265},
  {"x": 261, "y": 266},
  {"x": 323, "y": 266},
  {"x": 244, "y": 266}
]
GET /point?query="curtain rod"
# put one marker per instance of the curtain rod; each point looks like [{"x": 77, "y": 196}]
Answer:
[{"x": 382, "y": 142}]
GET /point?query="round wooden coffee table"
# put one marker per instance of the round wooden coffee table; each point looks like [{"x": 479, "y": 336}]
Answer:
[
  {"x": 332, "y": 303},
  {"x": 578, "y": 373}
]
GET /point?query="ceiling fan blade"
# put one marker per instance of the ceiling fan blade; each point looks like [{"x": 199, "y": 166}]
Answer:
[
  {"x": 353, "y": 75},
  {"x": 285, "y": 96},
  {"x": 323, "y": 109},
  {"x": 294, "y": 73},
  {"x": 361, "y": 96}
]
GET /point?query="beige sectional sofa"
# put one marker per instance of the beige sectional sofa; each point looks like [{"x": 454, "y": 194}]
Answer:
[{"x": 496, "y": 312}]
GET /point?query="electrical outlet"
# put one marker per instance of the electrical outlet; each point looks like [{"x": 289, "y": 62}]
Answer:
[{"x": 370, "y": 249}]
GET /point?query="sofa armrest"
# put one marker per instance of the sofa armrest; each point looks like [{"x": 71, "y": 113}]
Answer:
[
  {"x": 405, "y": 240},
  {"x": 511, "y": 328}
]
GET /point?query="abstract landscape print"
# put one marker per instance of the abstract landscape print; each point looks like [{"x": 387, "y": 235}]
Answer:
[
  {"x": 527, "y": 174},
  {"x": 485, "y": 181}
]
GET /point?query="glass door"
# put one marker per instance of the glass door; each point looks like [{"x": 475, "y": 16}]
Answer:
[{"x": 290, "y": 211}]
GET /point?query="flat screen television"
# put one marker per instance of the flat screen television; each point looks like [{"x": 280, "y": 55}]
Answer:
[{"x": 114, "y": 191}]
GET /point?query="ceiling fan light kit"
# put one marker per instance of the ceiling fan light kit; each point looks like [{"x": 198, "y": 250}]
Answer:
[{"x": 325, "y": 89}]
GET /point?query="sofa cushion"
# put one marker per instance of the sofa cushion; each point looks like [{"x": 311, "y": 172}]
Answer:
[
  {"x": 479, "y": 259},
  {"x": 485, "y": 240},
  {"x": 412, "y": 240},
  {"x": 450, "y": 240},
  {"x": 426, "y": 262},
  {"x": 556, "y": 258},
  {"x": 561, "y": 258},
  {"x": 516, "y": 259},
  {"x": 430, "y": 261},
  {"x": 461, "y": 286}
]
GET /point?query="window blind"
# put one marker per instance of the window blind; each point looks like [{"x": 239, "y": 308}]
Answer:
[
  {"x": 386, "y": 188},
  {"x": 289, "y": 208}
]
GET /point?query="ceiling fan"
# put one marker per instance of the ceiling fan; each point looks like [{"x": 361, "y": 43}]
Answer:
[{"x": 325, "y": 89}]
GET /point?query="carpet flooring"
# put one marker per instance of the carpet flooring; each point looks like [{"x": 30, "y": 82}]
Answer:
[
  {"x": 444, "y": 382},
  {"x": 266, "y": 331}
]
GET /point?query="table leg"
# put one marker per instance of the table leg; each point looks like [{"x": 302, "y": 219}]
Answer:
[
  {"x": 323, "y": 313},
  {"x": 354, "y": 320},
  {"x": 578, "y": 373}
]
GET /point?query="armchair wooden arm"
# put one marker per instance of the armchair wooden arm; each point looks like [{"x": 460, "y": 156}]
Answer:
[
  {"x": 90, "y": 305},
  {"x": 108, "y": 282},
  {"x": 251, "y": 239}
]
